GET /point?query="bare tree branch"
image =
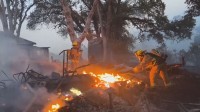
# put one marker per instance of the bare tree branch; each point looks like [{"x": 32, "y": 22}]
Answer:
[
  {"x": 88, "y": 22},
  {"x": 68, "y": 19}
]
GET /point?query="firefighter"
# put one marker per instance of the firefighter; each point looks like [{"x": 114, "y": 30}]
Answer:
[
  {"x": 155, "y": 64},
  {"x": 75, "y": 55}
]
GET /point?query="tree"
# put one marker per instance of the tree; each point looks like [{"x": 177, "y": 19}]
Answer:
[
  {"x": 193, "y": 54},
  {"x": 112, "y": 20},
  {"x": 146, "y": 16},
  {"x": 68, "y": 18},
  {"x": 193, "y": 7},
  {"x": 13, "y": 13}
]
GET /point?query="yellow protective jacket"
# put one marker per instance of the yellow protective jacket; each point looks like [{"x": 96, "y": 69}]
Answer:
[
  {"x": 75, "y": 54},
  {"x": 148, "y": 61}
]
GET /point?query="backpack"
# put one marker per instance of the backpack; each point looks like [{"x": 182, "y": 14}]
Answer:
[{"x": 159, "y": 59}]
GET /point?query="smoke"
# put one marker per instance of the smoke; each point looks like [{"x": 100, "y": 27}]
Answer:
[
  {"x": 15, "y": 58},
  {"x": 22, "y": 98},
  {"x": 12, "y": 58}
]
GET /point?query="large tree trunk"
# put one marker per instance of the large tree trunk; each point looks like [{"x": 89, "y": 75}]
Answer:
[
  {"x": 3, "y": 17},
  {"x": 70, "y": 25},
  {"x": 106, "y": 31},
  {"x": 69, "y": 20},
  {"x": 103, "y": 32},
  {"x": 88, "y": 22},
  {"x": 107, "y": 46}
]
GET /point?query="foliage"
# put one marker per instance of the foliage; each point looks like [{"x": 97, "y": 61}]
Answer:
[
  {"x": 194, "y": 54},
  {"x": 13, "y": 13},
  {"x": 193, "y": 7},
  {"x": 50, "y": 12},
  {"x": 145, "y": 16}
]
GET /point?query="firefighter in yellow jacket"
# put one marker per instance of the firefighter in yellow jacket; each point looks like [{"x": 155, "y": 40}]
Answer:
[
  {"x": 154, "y": 63},
  {"x": 75, "y": 55}
]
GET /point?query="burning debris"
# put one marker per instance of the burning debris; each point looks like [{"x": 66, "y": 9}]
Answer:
[
  {"x": 76, "y": 91},
  {"x": 30, "y": 81},
  {"x": 54, "y": 105},
  {"x": 107, "y": 80},
  {"x": 60, "y": 100},
  {"x": 30, "y": 76},
  {"x": 105, "y": 94}
]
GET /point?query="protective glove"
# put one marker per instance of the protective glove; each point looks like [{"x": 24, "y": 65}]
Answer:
[{"x": 137, "y": 69}]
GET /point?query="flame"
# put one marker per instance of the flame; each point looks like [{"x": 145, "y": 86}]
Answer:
[
  {"x": 54, "y": 105},
  {"x": 84, "y": 72},
  {"x": 68, "y": 97},
  {"x": 106, "y": 79},
  {"x": 60, "y": 101},
  {"x": 128, "y": 81},
  {"x": 54, "y": 108},
  {"x": 75, "y": 91}
]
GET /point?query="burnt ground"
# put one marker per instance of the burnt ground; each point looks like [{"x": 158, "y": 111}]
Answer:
[{"x": 182, "y": 96}]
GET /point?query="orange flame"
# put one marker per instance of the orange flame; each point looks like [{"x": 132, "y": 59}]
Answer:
[
  {"x": 54, "y": 105},
  {"x": 106, "y": 79},
  {"x": 54, "y": 108},
  {"x": 76, "y": 91}
]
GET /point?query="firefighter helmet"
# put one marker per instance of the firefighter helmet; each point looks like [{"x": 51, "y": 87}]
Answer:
[
  {"x": 139, "y": 52},
  {"x": 75, "y": 43}
]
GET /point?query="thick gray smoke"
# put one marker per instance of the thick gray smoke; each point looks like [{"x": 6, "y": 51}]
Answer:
[
  {"x": 14, "y": 58},
  {"x": 22, "y": 98}
]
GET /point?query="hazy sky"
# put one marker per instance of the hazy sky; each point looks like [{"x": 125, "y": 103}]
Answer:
[
  {"x": 49, "y": 38},
  {"x": 174, "y": 7}
]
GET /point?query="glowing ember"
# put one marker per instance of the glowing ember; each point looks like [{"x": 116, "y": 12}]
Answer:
[
  {"x": 76, "y": 91},
  {"x": 128, "y": 81},
  {"x": 54, "y": 108},
  {"x": 110, "y": 78},
  {"x": 139, "y": 82},
  {"x": 54, "y": 104},
  {"x": 84, "y": 72},
  {"x": 68, "y": 97}
]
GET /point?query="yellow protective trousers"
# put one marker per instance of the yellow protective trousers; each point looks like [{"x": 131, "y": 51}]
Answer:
[{"x": 158, "y": 70}]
